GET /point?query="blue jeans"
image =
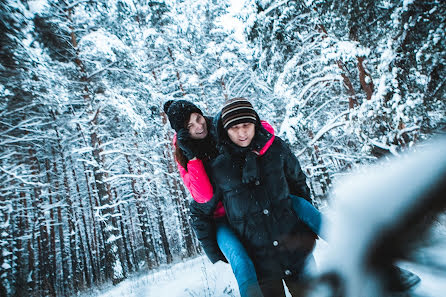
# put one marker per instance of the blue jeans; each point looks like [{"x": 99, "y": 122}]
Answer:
[
  {"x": 238, "y": 258},
  {"x": 307, "y": 213}
]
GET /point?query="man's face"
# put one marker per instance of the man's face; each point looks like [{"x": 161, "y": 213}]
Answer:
[
  {"x": 197, "y": 126},
  {"x": 242, "y": 134}
]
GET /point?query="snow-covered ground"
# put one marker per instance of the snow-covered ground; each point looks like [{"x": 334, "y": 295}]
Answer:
[{"x": 193, "y": 278}]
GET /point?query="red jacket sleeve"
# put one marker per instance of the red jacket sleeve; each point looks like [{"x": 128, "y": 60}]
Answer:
[{"x": 196, "y": 181}]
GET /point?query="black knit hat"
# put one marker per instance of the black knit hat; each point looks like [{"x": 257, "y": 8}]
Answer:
[
  {"x": 237, "y": 111},
  {"x": 179, "y": 111}
]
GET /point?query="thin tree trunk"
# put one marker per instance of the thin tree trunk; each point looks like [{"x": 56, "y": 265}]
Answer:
[
  {"x": 145, "y": 230},
  {"x": 65, "y": 274},
  {"x": 184, "y": 219},
  {"x": 52, "y": 258},
  {"x": 20, "y": 272},
  {"x": 35, "y": 269},
  {"x": 72, "y": 221},
  {"x": 131, "y": 227},
  {"x": 180, "y": 84},
  {"x": 125, "y": 239},
  {"x": 83, "y": 262},
  {"x": 352, "y": 102},
  {"x": 162, "y": 231},
  {"x": 366, "y": 86},
  {"x": 324, "y": 178},
  {"x": 5, "y": 242},
  {"x": 153, "y": 251},
  {"x": 29, "y": 269},
  {"x": 44, "y": 252},
  {"x": 87, "y": 237}
]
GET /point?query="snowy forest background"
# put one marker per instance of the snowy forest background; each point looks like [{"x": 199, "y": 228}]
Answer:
[{"x": 89, "y": 191}]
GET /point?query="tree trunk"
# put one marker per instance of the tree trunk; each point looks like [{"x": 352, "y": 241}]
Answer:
[
  {"x": 162, "y": 231},
  {"x": 180, "y": 84},
  {"x": 324, "y": 179},
  {"x": 87, "y": 262},
  {"x": 125, "y": 240},
  {"x": 175, "y": 194},
  {"x": 65, "y": 273},
  {"x": 144, "y": 226},
  {"x": 352, "y": 102},
  {"x": 35, "y": 269},
  {"x": 20, "y": 273},
  {"x": 52, "y": 257},
  {"x": 45, "y": 280},
  {"x": 366, "y": 86}
]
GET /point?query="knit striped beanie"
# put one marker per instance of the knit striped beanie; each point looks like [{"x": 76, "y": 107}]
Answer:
[{"x": 237, "y": 111}]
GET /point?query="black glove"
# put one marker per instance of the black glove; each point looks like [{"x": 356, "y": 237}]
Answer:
[
  {"x": 250, "y": 173},
  {"x": 186, "y": 144}
]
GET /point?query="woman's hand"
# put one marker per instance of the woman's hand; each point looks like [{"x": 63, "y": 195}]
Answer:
[{"x": 185, "y": 143}]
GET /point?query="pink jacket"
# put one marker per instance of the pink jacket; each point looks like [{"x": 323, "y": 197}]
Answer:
[{"x": 197, "y": 181}]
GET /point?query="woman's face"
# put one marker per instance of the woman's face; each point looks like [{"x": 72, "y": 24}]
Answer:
[
  {"x": 197, "y": 126},
  {"x": 242, "y": 134}
]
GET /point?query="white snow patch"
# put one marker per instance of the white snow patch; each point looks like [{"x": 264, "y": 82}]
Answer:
[
  {"x": 38, "y": 6},
  {"x": 117, "y": 270},
  {"x": 101, "y": 44},
  {"x": 6, "y": 266},
  {"x": 126, "y": 107},
  {"x": 218, "y": 74},
  {"x": 406, "y": 3},
  {"x": 197, "y": 277}
]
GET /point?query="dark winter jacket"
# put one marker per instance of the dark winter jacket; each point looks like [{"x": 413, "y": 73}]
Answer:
[
  {"x": 260, "y": 211},
  {"x": 197, "y": 181}
]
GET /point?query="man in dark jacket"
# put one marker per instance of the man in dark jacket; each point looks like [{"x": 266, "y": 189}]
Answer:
[{"x": 254, "y": 185}]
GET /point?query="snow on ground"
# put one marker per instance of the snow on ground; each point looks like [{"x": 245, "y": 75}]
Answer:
[{"x": 193, "y": 278}]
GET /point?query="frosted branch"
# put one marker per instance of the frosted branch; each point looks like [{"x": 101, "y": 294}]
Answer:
[
  {"x": 329, "y": 126},
  {"x": 408, "y": 129},
  {"x": 101, "y": 70},
  {"x": 13, "y": 175},
  {"x": 384, "y": 146}
]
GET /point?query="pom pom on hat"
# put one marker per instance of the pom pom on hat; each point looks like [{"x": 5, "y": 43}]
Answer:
[{"x": 167, "y": 105}]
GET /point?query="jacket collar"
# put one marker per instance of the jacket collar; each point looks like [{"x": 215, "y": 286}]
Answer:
[{"x": 262, "y": 140}]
